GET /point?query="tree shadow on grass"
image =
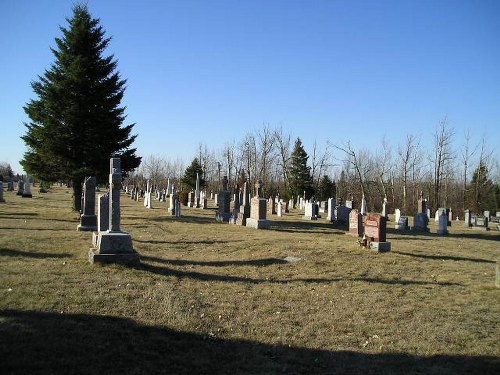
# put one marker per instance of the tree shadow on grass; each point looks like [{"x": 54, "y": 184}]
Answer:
[
  {"x": 13, "y": 215},
  {"x": 30, "y": 254},
  {"x": 224, "y": 263},
  {"x": 28, "y": 228},
  {"x": 444, "y": 257},
  {"x": 184, "y": 242},
  {"x": 166, "y": 271},
  {"x": 185, "y": 219},
  {"x": 479, "y": 235},
  {"x": 45, "y": 342},
  {"x": 306, "y": 226}
]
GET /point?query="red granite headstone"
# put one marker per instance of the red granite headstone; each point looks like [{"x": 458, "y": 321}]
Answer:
[
  {"x": 355, "y": 223},
  {"x": 375, "y": 227}
]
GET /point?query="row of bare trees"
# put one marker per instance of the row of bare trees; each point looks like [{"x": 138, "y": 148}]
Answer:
[{"x": 399, "y": 172}]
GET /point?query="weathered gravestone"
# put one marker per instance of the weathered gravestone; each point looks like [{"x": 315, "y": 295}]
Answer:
[
  {"x": 103, "y": 212},
  {"x": 244, "y": 211},
  {"x": 355, "y": 223},
  {"x": 113, "y": 245},
  {"x": 481, "y": 222},
  {"x": 402, "y": 223},
  {"x": 443, "y": 224},
  {"x": 10, "y": 185},
  {"x": 310, "y": 212},
  {"x": 375, "y": 232},
  {"x": 88, "y": 219},
  {"x": 420, "y": 222},
  {"x": 331, "y": 210},
  {"x": 421, "y": 204},
  {"x": 397, "y": 215},
  {"x": 27, "y": 188},
  {"x": 20, "y": 187},
  {"x": 258, "y": 208},
  {"x": 467, "y": 218},
  {"x": 343, "y": 214},
  {"x": 223, "y": 214}
]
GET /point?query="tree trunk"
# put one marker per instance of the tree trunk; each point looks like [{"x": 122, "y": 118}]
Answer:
[{"x": 77, "y": 195}]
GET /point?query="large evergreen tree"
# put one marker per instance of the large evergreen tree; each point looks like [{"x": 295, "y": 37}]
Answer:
[
  {"x": 189, "y": 177},
  {"x": 76, "y": 119},
  {"x": 300, "y": 173}
]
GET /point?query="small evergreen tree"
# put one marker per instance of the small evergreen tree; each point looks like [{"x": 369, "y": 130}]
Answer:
[
  {"x": 481, "y": 191},
  {"x": 189, "y": 177},
  {"x": 76, "y": 121},
  {"x": 300, "y": 180},
  {"x": 326, "y": 188}
]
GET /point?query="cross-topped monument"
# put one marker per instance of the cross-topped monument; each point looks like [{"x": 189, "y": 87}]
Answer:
[{"x": 113, "y": 245}]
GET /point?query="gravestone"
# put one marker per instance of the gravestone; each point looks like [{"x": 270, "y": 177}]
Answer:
[
  {"x": 223, "y": 214},
  {"x": 27, "y": 188},
  {"x": 343, "y": 214},
  {"x": 191, "y": 199},
  {"x": 363, "y": 210},
  {"x": 375, "y": 232},
  {"x": 331, "y": 210},
  {"x": 113, "y": 245},
  {"x": 481, "y": 223},
  {"x": 420, "y": 222},
  {"x": 309, "y": 213},
  {"x": 355, "y": 223},
  {"x": 349, "y": 204},
  {"x": 244, "y": 211},
  {"x": 280, "y": 209},
  {"x": 197, "y": 191},
  {"x": 487, "y": 214},
  {"x": 10, "y": 185},
  {"x": 384, "y": 208},
  {"x": 402, "y": 223},
  {"x": 88, "y": 219},
  {"x": 272, "y": 205},
  {"x": 467, "y": 218},
  {"x": 172, "y": 201},
  {"x": 1, "y": 192},
  {"x": 103, "y": 212},
  {"x": 421, "y": 204},
  {"x": 258, "y": 210},
  {"x": 20, "y": 187},
  {"x": 443, "y": 224},
  {"x": 397, "y": 215}
]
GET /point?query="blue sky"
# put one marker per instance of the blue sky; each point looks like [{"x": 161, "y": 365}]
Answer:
[{"x": 211, "y": 71}]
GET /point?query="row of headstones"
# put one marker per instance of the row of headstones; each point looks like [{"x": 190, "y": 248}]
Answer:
[
  {"x": 23, "y": 188},
  {"x": 109, "y": 243}
]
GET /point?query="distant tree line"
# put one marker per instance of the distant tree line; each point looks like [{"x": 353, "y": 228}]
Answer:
[{"x": 463, "y": 178}]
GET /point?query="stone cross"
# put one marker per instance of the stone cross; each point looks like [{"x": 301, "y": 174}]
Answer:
[{"x": 257, "y": 188}]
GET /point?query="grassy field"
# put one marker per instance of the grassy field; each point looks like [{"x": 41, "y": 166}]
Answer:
[{"x": 217, "y": 298}]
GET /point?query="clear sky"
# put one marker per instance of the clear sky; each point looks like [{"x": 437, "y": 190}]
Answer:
[{"x": 211, "y": 71}]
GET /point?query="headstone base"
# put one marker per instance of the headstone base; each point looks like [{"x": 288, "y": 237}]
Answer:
[
  {"x": 442, "y": 232},
  {"x": 114, "y": 243},
  {"x": 401, "y": 227},
  {"x": 27, "y": 195},
  {"x": 222, "y": 217},
  {"x": 381, "y": 247},
  {"x": 258, "y": 224},
  {"x": 87, "y": 223},
  {"x": 420, "y": 229}
]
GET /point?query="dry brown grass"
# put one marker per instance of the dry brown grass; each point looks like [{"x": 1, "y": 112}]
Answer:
[{"x": 210, "y": 297}]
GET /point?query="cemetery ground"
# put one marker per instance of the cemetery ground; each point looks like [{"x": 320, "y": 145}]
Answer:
[{"x": 218, "y": 298}]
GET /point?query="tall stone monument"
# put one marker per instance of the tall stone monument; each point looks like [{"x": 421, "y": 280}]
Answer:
[
  {"x": 113, "y": 245},
  {"x": 88, "y": 218},
  {"x": 258, "y": 209}
]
